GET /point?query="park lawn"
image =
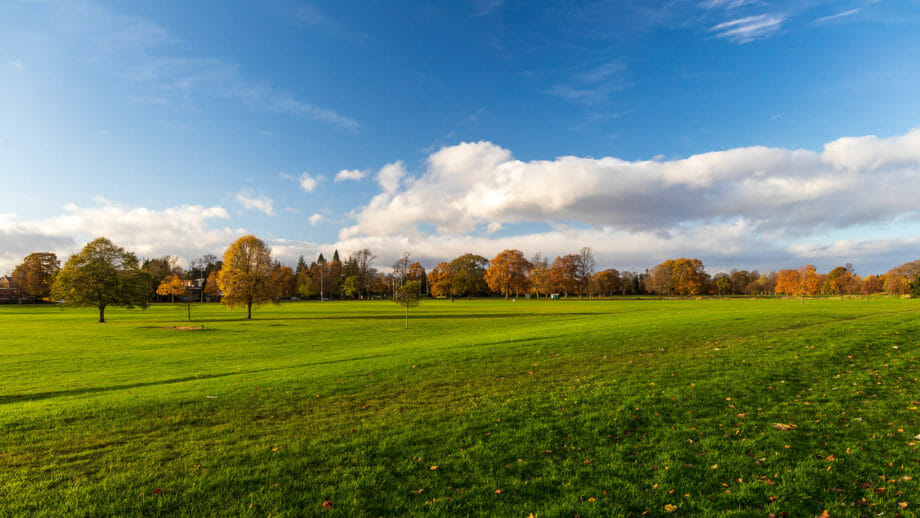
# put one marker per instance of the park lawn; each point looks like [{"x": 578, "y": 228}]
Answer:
[{"x": 484, "y": 407}]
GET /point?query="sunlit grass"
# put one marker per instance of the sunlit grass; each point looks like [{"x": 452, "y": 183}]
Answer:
[{"x": 481, "y": 407}]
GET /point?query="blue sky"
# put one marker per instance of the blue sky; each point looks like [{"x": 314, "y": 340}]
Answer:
[{"x": 719, "y": 129}]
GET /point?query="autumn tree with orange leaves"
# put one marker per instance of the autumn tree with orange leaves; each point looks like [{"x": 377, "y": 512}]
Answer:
[
  {"x": 801, "y": 282},
  {"x": 247, "y": 274},
  {"x": 562, "y": 274},
  {"x": 507, "y": 273},
  {"x": 680, "y": 276},
  {"x": 171, "y": 286},
  {"x": 439, "y": 280}
]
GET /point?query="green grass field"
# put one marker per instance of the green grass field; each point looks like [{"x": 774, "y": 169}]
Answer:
[{"x": 555, "y": 408}]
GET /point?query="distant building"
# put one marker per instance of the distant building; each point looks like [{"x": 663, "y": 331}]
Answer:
[{"x": 8, "y": 290}]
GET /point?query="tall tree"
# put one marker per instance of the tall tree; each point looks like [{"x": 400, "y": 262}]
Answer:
[
  {"x": 285, "y": 281},
  {"x": 898, "y": 279},
  {"x": 301, "y": 266},
  {"x": 401, "y": 268},
  {"x": 562, "y": 273},
  {"x": 439, "y": 281},
  {"x": 801, "y": 282},
  {"x": 364, "y": 269},
  {"x": 606, "y": 282},
  {"x": 540, "y": 281},
  {"x": 246, "y": 277},
  {"x": 468, "y": 275},
  {"x": 408, "y": 297},
  {"x": 584, "y": 269},
  {"x": 507, "y": 273},
  {"x": 688, "y": 276},
  {"x": 417, "y": 273},
  {"x": 102, "y": 275},
  {"x": 211, "y": 287},
  {"x": 871, "y": 284},
  {"x": 840, "y": 281},
  {"x": 35, "y": 275},
  {"x": 724, "y": 284}
]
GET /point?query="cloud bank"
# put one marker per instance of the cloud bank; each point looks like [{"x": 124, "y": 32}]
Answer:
[{"x": 756, "y": 207}]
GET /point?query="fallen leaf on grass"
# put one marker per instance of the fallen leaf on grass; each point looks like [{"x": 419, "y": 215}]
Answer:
[
  {"x": 783, "y": 427},
  {"x": 327, "y": 504},
  {"x": 433, "y": 468},
  {"x": 670, "y": 508},
  {"x": 417, "y": 491},
  {"x": 498, "y": 491},
  {"x": 903, "y": 505}
]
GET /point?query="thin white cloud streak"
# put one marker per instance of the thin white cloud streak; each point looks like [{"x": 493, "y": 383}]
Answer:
[
  {"x": 750, "y": 28},
  {"x": 837, "y": 16},
  {"x": 141, "y": 51},
  {"x": 261, "y": 203},
  {"x": 17, "y": 64},
  {"x": 315, "y": 219}
]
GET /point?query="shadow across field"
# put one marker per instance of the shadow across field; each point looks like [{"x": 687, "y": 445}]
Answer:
[
  {"x": 37, "y": 396},
  {"x": 413, "y": 316}
]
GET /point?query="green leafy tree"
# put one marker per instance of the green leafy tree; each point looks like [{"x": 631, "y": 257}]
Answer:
[
  {"x": 351, "y": 286},
  {"x": 408, "y": 297},
  {"x": 102, "y": 275}
]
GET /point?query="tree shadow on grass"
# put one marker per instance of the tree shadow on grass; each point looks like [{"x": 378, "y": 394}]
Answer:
[
  {"x": 400, "y": 316},
  {"x": 16, "y": 398}
]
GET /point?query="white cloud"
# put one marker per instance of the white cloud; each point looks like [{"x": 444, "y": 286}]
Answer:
[
  {"x": 390, "y": 176},
  {"x": 726, "y": 4},
  {"x": 308, "y": 183},
  {"x": 837, "y": 16},
  {"x": 315, "y": 219},
  {"x": 261, "y": 203},
  {"x": 184, "y": 230},
  {"x": 772, "y": 194},
  {"x": 350, "y": 174},
  {"x": 17, "y": 64},
  {"x": 750, "y": 28}
]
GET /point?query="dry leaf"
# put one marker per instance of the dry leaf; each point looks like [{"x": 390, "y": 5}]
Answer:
[{"x": 670, "y": 508}]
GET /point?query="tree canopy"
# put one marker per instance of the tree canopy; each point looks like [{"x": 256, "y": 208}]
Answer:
[
  {"x": 247, "y": 275},
  {"x": 35, "y": 275},
  {"x": 102, "y": 275}
]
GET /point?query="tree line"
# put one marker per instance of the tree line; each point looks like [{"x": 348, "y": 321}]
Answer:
[{"x": 104, "y": 274}]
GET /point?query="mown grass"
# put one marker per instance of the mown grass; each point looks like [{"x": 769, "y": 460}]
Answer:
[{"x": 554, "y": 408}]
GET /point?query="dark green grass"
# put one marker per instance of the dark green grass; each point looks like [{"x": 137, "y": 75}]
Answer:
[{"x": 566, "y": 407}]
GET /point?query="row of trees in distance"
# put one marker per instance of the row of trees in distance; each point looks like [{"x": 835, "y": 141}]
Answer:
[{"x": 104, "y": 267}]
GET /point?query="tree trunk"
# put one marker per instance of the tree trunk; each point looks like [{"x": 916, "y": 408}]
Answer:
[
  {"x": 407, "y": 317},
  {"x": 102, "y": 314},
  {"x": 249, "y": 311}
]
